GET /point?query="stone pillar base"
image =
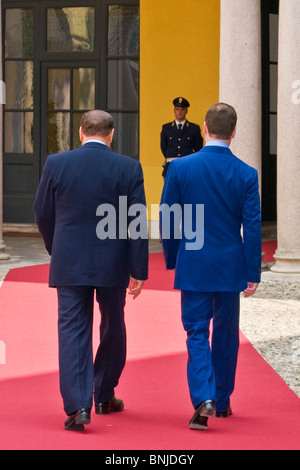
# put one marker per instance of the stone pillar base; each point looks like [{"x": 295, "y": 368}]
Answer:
[
  {"x": 3, "y": 256},
  {"x": 288, "y": 263}
]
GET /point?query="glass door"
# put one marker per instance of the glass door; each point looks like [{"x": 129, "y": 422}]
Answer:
[
  {"x": 69, "y": 91},
  {"x": 60, "y": 59},
  {"x": 20, "y": 137},
  {"x": 269, "y": 108}
]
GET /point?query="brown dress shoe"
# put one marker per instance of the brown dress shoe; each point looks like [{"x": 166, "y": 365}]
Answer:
[
  {"x": 112, "y": 405},
  {"x": 205, "y": 410}
]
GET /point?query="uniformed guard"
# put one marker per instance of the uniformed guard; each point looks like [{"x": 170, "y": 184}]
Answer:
[{"x": 180, "y": 137}]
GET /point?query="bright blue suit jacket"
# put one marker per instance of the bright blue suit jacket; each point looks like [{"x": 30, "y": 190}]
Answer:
[
  {"x": 72, "y": 186},
  {"x": 228, "y": 189}
]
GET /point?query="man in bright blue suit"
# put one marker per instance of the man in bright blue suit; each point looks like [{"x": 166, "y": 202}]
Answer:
[
  {"x": 82, "y": 211},
  {"x": 211, "y": 235}
]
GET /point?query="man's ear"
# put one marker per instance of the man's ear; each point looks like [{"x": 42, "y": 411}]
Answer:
[
  {"x": 110, "y": 137},
  {"x": 80, "y": 134}
]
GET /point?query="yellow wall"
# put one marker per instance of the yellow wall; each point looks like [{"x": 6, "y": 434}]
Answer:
[{"x": 179, "y": 57}]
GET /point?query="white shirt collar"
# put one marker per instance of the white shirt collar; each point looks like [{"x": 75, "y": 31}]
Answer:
[
  {"x": 98, "y": 141},
  {"x": 182, "y": 123}
]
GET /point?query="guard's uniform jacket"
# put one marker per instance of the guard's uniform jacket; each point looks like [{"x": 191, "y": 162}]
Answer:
[{"x": 177, "y": 143}]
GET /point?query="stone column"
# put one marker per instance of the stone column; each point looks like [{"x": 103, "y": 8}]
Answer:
[
  {"x": 3, "y": 255},
  {"x": 240, "y": 74},
  {"x": 288, "y": 148}
]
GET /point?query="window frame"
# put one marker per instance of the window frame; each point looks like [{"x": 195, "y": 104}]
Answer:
[
  {"x": 269, "y": 161},
  {"x": 18, "y": 205}
]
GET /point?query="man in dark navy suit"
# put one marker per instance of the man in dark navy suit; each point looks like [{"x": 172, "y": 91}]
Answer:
[
  {"x": 179, "y": 137},
  {"x": 214, "y": 197},
  {"x": 81, "y": 211}
]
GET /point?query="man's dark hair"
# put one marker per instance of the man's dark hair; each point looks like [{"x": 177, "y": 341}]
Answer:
[
  {"x": 97, "y": 122},
  {"x": 221, "y": 121}
]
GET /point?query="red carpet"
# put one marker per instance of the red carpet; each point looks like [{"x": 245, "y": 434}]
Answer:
[
  {"x": 153, "y": 385},
  {"x": 269, "y": 249}
]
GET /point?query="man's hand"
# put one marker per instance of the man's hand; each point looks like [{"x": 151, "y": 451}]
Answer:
[
  {"x": 252, "y": 286},
  {"x": 135, "y": 287}
]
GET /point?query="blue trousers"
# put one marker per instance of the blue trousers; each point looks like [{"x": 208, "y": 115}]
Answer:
[
  {"x": 82, "y": 376},
  {"x": 211, "y": 366}
]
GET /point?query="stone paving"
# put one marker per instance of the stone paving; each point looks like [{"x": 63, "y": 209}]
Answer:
[{"x": 270, "y": 319}]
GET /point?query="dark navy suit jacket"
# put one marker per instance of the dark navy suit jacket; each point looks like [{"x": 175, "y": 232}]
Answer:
[
  {"x": 72, "y": 186},
  {"x": 228, "y": 189}
]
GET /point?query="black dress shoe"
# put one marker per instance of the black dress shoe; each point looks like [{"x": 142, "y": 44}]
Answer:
[
  {"x": 76, "y": 421},
  {"x": 205, "y": 410},
  {"x": 112, "y": 405},
  {"x": 199, "y": 422},
  {"x": 224, "y": 414}
]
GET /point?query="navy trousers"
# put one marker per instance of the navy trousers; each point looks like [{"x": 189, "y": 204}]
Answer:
[
  {"x": 211, "y": 365},
  {"x": 82, "y": 376}
]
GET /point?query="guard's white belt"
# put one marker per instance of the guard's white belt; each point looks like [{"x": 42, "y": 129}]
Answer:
[{"x": 168, "y": 160}]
